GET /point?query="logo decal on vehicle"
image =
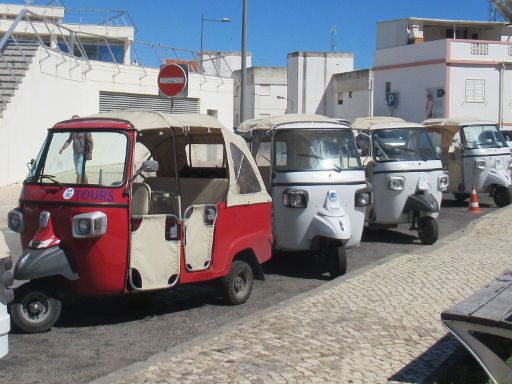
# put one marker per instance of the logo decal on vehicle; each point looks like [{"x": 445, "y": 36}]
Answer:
[
  {"x": 68, "y": 193},
  {"x": 333, "y": 196}
]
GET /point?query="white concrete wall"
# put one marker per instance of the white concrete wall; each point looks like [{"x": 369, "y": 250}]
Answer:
[
  {"x": 433, "y": 50},
  {"x": 489, "y": 109},
  {"x": 411, "y": 84},
  {"x": 461, "y": 50},
  {"x": 392, "y": 33},
  {"x": 353, "y": 107},
  {"x": 310, "y": 78},
  {"x": 52, "y": 91}
]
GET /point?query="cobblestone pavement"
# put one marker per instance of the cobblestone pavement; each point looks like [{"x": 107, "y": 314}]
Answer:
[{"x": 382, "y": 325}]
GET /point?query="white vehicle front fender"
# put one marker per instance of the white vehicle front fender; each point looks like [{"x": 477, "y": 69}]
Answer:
[
  {"x": 332, "y": 227},
  {"x": 497, "y": 178}
]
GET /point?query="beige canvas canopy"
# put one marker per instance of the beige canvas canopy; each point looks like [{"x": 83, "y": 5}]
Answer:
[
  {"x": 453, "y": 125},
  {"x": 155, "y": 127},
  {"x": 365, "y": 123},
  {"x": 249, "y": 126}
]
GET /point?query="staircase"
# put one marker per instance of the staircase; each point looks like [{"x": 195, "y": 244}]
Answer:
[{"x": 14, "y": 63}]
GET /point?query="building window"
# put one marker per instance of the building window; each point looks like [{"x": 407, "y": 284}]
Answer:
[
  {"x": 475, "y": 91},
  {"x": 480, "y": 49},
  {"x": 350, "y": 94},
  {"x": 264, "y": 90},
  {"x": 340, "y": 98}
]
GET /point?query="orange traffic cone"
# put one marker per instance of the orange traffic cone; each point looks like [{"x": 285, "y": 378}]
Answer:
[{"x": 473, "y": 202}]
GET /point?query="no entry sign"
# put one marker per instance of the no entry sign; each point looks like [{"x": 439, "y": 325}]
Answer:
[{"x": 172, "y": 79}]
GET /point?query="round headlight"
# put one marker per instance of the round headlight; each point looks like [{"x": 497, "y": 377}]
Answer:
[
  {"x": 84, "y": 226},
  {"x": 14, "y": 221},
  {"x": 363, "y": 198},
  {"x": 443, "y": 182}
]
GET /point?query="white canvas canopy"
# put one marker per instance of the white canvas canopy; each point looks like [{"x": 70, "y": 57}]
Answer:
[
  {"x": 247, "y": 127},
  {"x": 364, "y": 123},
  {"x": 146, "y": 121}
]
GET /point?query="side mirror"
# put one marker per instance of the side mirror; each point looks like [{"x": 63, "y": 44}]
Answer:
[
  {"x": 30, "y": 164},
  {"x": 149, "y": 166}
]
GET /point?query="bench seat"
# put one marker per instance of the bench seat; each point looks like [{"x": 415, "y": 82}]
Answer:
[{"x": 488, "y": 311}]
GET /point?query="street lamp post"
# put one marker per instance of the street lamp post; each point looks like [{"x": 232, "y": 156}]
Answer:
[
  {"x": 243, "y": 71},
  {"x": 203, "y": 19},
  {"x": 285, "y": 98}
]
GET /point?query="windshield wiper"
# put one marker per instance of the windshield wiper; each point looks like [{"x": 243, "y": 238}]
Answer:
[{"x": 41, "y": 177}]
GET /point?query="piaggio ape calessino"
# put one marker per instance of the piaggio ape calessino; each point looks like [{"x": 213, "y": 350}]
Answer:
[{"x": 142, "y": 201}]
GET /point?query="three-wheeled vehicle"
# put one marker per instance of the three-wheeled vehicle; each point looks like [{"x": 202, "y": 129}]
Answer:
[
  {"x": 475, "y": 154},
  {"x": 6, "y": 295},
  {"x": 405, "y": 173},
  {"x": 311, "y": 167},
  {"x": 144, "y": 201}
]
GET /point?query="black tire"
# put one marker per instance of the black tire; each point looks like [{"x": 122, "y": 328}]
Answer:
[
  {"x": 337, "y": 259},
  {"x": 460, "y": 196},
  {"x": 428, "y": 230},
  {"x": 237, "y": 284},
  {"x": 502, "y": 197},
  {"x": 34, "y": 310}
]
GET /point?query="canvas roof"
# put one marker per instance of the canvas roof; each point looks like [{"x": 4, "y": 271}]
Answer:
[
  {"x": 372, "y": 122},
  {"x": 275, "y": 121},
  {"x": 143, "y": 119}
]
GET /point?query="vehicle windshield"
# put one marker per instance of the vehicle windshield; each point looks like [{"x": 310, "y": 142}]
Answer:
[
  {"x": 482, "y": 136},
  {"x": 403, "y": 144},
  {"x": 315, "y": 150},
  {"x": 81, "y": 157}
]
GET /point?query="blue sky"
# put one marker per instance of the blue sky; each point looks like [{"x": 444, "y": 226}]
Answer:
[{"x": 276, "y": 27}]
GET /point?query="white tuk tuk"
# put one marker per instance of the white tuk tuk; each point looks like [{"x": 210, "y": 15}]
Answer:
[
  {"x": 405, "y": 173},
  {"x": 475, "y": 154},
  {"x": 311, "y": 167}
]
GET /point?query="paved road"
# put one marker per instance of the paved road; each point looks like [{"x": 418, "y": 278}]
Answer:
[{"x": 96, "y": 337}]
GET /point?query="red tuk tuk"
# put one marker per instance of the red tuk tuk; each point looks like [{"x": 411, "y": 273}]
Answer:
[{"x": 142, "y": 201}]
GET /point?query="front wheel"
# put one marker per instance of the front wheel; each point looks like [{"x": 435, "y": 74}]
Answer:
[
  {"x": 428, "y": 230},
  {"x": 34, "y": 310},
  {"x": 337, "y": 259},
  {"x": 238, "y": 283},
  {"x": 502, "y": 196}
]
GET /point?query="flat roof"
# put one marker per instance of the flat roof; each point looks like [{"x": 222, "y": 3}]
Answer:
[{"x": 443, "y": 22}]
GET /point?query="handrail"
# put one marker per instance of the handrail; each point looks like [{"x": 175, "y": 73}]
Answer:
[
  {"x": 11, "y": 29},
  {"x": 72, "y": 40}
]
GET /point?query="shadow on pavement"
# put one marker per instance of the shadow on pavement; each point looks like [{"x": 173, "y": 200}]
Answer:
[
  {"x": 87, "y": 312},
  {"x": 422, "y": 368},
  {"x": 389, "y": 236},
  {"x": 299, "y": 265}
]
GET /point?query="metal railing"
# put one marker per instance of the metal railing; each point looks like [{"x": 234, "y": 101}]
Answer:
[{"x": 54, "y": 37}]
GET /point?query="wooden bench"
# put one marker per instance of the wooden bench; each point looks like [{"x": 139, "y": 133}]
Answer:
[{"x": 487, "y": 312}]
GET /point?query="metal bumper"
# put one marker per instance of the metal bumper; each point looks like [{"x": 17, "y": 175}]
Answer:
[
  {"x": 422, "y": 203},
  {"x": 39, "y": 263}
]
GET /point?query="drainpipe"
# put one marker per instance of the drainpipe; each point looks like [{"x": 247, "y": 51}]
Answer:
[
  {"x": 501, "y": 98},
  {"x": 370, "y": 98}
]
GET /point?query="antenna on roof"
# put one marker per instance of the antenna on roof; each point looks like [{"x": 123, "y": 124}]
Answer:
[{"x": 333, "y": 41}]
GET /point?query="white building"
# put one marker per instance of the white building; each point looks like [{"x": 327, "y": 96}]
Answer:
[
  {"x": 43, "y": 81},
  {"x": 310, "y": 79},
  {"x": 443, "y": 68},
  {"x": 265, "y": 93},
  {"x": 352, "y": 95},
  {"x": 223, "y": 63}
]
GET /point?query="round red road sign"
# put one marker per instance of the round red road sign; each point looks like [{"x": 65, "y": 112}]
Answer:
[{"x": 172, "y": 79}]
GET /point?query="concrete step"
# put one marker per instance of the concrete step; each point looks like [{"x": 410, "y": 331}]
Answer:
[
  {"x": 5, "y": 71},
  {"x": 16, "y": 59},
  {"x": 17, "y": 67},
  {"x": 6, "y": 93},
  {"x": 6, "y": 78}
]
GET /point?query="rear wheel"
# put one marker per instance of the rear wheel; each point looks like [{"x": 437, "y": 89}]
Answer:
[
  {"x": 237, "y": 284},
  {"x": 428, "y": 230},
  {"x": 502, "y": 196},
  {"x": 337, "y": 259},
  {"x": 34, "y": 310}
]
